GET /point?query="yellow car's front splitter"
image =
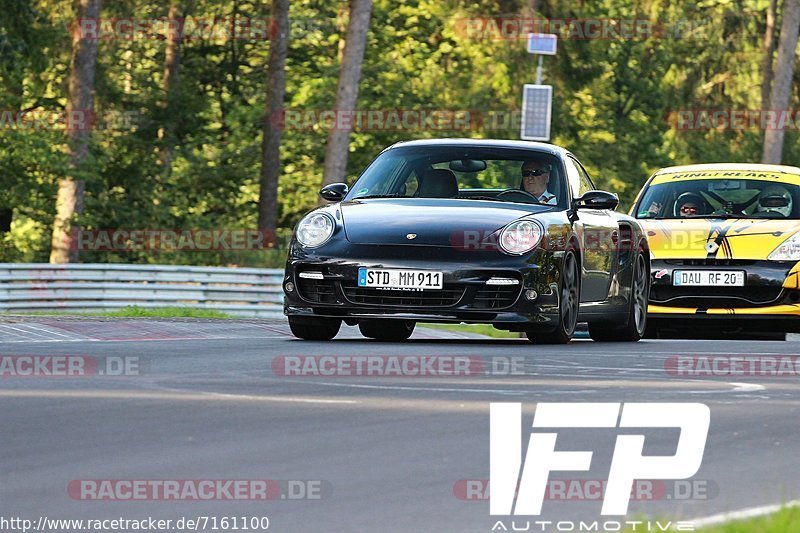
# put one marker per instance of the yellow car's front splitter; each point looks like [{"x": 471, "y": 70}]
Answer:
[{"x": 789, "y": 310}]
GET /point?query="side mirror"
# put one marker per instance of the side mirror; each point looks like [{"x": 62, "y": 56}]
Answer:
[
  {"x": 334, "y": 192},
  {"x": 597, "y": 200}
]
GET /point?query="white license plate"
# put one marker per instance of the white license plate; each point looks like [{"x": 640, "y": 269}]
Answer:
[
  {"x": 390, "y": 278},
  {"x": 708, "y": 278}
]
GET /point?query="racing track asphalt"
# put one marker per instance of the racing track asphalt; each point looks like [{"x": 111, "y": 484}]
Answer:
[{"x": 207, "y": 405}]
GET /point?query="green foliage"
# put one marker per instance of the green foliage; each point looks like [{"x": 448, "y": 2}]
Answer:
[{"x": 613, "y": 100}]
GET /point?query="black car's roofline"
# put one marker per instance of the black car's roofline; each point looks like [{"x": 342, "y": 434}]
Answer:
[{"x": 483, "y": 143}]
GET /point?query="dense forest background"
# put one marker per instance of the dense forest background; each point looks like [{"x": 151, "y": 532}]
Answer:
[{"x": 192, "y": 158}]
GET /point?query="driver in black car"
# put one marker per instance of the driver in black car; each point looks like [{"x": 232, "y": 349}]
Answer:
[{"x": 535, "y": 178}]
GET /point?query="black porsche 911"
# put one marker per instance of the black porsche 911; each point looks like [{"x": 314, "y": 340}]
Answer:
[{"x": 508, "y": 233}]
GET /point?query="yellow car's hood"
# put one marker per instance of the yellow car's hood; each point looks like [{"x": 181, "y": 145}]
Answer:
[{"x": 702, "y": 238}]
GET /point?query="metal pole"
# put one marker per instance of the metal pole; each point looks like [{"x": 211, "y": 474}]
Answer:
[{"x": 539, "y": 72}]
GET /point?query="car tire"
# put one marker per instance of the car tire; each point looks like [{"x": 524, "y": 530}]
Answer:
[
  {"x": 313, "y": 328},
  {"x": 636, "y": 325},
  {"x": 569, "y": 305},
  {"x": 387, "y": 330},
  {"x": 653, "y": 331}
]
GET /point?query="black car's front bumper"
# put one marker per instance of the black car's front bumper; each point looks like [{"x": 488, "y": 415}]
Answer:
[
  {"x": 764, "y": 303},
  {"x": 465, "y": 297}
]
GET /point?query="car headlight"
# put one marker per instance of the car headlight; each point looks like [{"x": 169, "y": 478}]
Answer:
[
  {"x": 789, "y": 250},
  {"x": 315, "y": 230},
  {"x": 520, "y": 237}
]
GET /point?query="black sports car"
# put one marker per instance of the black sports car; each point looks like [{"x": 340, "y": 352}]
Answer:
[{"x": 508, "y": 233}]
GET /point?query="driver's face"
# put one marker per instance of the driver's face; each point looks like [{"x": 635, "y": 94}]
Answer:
[
  {"x": 535, "y": 177},
  {"x": 689, "y": 209}
]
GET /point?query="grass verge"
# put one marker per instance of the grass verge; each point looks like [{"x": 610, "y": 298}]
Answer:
[
  {"x": 787, "y": 519},
  {"x": 140, "y": 312}
]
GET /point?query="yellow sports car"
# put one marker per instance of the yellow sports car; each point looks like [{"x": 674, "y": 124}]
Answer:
[{"x": 725, "y": 249}]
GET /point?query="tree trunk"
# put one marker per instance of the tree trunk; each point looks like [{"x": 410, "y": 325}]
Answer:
[
  {"x": 79, "y": 125},
  {"x": 769, "y": 54},
  {"x": 271, "y": 142},
  {"x": 172, "y": 65},
  {"x": 782, "y": 86},
  {"x": 337, "y": 149}
]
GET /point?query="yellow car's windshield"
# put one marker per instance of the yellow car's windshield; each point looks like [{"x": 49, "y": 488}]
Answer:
[{"x": 719, "y": 198}]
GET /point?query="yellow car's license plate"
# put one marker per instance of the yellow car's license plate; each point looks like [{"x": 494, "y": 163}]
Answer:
[{"x": 708, "y": 278}]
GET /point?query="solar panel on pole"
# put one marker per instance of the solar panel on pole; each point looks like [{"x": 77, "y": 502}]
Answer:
[
  {"x": 542, "y": 43},
  {"x": 537, "y": 105}
]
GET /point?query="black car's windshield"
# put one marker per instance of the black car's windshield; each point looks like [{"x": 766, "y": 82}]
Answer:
[
  {"x": 682, "y": 197},
  {"x": 507, "y": 175}
]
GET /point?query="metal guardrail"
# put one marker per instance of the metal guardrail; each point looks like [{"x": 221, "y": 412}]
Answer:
[{"x": 26, "y": 287}]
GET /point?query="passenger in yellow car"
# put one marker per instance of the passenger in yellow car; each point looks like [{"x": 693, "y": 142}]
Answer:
[{"x": 774, "y": 202}]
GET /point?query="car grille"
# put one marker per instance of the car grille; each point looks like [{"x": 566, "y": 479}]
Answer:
[
  {"x": 449, "y": 296},
  {"x": 708, "y": 297},
  {"x": 317, "y": 290},
  {"x": 495, "y": 297}
]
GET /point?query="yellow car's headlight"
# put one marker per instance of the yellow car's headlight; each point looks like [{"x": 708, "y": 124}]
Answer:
[{"x": 789, "y": 250}]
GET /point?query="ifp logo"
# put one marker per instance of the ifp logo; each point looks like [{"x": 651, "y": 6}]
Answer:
[{"x": 518, "y": 488}]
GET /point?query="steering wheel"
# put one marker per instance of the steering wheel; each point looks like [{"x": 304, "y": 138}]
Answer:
[
  {"x": 519, "y": 194},
  {"x": 730, "y": 208}
]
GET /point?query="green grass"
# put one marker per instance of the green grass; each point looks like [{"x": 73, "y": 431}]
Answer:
[
  {"x": 787, "y": 519},
  {"x": 481, "y": 329},
  {"x": 167, "y": 312},
  {"x": 140, "y": 312}
]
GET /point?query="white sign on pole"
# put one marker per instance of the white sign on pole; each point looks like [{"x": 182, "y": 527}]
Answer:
[{"x": 537, "y": 105}]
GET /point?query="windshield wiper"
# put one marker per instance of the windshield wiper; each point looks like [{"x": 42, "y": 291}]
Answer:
[
  {"x": 395, "y": 195},
  {"x": 696, "y": 217},
  {"x": 490, "y": 198},
  {"x": 720, "y": 215}
]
